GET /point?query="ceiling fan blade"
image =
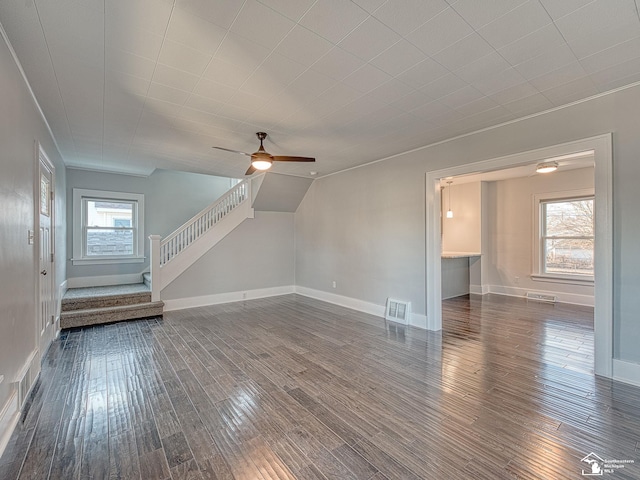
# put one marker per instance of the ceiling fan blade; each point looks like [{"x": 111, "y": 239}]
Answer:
[
  {"x": 293, "y": 159},
  {"x": 250, "y": 170},
  {"x": 232, "y": 151}
]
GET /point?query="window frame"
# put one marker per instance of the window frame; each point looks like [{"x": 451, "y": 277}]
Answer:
[
  {"x": 80, "y": 197},
  {"x": 538, "y": 267}
]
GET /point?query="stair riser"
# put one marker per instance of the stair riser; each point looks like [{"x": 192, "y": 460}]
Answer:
[
  {"x": 104, "y": 302},
  {"x": 80, "y": 319}
]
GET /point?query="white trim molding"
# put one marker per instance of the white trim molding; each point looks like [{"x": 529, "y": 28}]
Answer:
[
  {"x": 571, "y": 298},
  {"x": 9, "y": 416},
  {"x": 416, "y": 319},
  {"x": 104, "y": 280},
  {"x": 627, "y": 372},
  {"x": 603, "y": 159},
  {"x": 228, "y": 297}
]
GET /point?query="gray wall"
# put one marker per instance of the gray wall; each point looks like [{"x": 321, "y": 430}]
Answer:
[
  {"x": 20, "y": 127},
  {"x": 170, "y": 199},
  {"x": 509, "y": 256},
  {"x": 257, "y": 254},
  {"x": 365, "y": 228}
]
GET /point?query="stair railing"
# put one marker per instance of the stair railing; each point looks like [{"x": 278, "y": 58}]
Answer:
[{"x": 201, "y": 223}]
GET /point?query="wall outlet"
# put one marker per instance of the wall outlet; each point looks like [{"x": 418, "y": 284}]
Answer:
[
  {"x": 334, "y": 284},
  {"x": 517, "y": 280},
  {"x": 244, "y": 295},
  {"x": 30, "y": 237}
]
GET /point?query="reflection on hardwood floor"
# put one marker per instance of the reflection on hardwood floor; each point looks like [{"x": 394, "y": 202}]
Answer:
[{"x": 293, "y": 388}]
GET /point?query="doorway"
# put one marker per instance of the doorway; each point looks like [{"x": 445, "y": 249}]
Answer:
[
  {"x": 603, "y": 291},
  {"x": 45, "y": 302}
]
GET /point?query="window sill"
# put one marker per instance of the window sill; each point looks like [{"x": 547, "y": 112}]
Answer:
[
  {"x": 106, "y": 261},
  {"x": 568, "y": 279}
]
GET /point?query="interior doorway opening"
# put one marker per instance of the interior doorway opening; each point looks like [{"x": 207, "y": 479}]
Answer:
[{"x": 600, "y": 148}]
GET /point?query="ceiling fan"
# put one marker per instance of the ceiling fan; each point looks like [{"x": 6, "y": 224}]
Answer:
[{"x": 262, "y": 160}]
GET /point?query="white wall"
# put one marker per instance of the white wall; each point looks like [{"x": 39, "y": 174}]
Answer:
[
  {"x": 365, "y": 228},
  {"x": 463, "y": 232},
  {"x": 257, "y": 255},
  {"x": 170, "y": 198},
  {"x": 21, "y": 125},
  {"x": 510, "y": 225}
]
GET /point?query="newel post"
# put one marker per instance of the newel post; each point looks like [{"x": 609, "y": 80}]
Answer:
[{"x": 154, "y": 265}]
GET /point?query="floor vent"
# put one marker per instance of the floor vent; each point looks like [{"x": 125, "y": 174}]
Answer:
[
  {"x": 541, "y": 297},
  {"x": 398, "y": 311},
  {"x": 26, "y": 380}
]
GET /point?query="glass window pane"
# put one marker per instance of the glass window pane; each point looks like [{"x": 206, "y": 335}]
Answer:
[
  {"x": 105, "y": 213},
  {"x": 572, "y": 218},
  {"x": 109, "y": 242},
  {"x": 572, "y": 257}
]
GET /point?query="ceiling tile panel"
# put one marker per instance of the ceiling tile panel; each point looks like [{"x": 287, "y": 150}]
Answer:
[
  {"x": 261, "y": 24},
  {"x": 293, "y": 9},
  {"x": 618, "y": 75},
  {"x": 338, "y": 64},
  {"x": 444, "y": 85},
  {"x": 227, "y": 73},
  {"x": 532, "y": 45},
  {"x": 404, "y": 16},
  {"x": 521, "y": 21},
  {"x": 398, "y": 58},
  {"x": 195, "y": 32},
  {"x": 558, "y": 9},
  {"x": 562, "y": 75},
  {"x": 571, "y": 92},
  {"x": 594, "y": 42},
  {"x": 370, "y": 5},
  {"x": 240, "y": 51},
  {"x": 183, "y": 58},
  {"x": 443, "y": 30},
  {"x": 423, "y": 73},
  {"x": 463, "y": 52},
  {"x": 547, "y": 62},
  {"x": 461, "y": 97},
  {"x": 214, "y": 90},
  {"x": 392, "y": 91},
  {"x": 130, "y": 64},
  {"x": 367, "y": 78},
  {"x": 172, "y": 77},
  {"x": 595, "y": 16},
  {"x": 511, "y": 94},
  {"x": 303, "y": 46},
  {"x": 499, "y": 81},
  {"x": 333, "y": 19},
  {"x": 168, "y": 94},
  {"x": 478, "y": 14},
  {"x": 483, "y": 67},
  {"x": 369, "y": 39},
  {"x": 610, "y": 57},
  {"x": 220, "y": 12}
]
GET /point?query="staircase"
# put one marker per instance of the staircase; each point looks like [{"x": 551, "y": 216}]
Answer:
[{"x": 95, "y": 305}]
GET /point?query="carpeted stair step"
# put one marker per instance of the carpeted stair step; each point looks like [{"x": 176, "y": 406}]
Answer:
[
  {"x": 104, "y": 301},
  {"x": 94, "y": 316}
]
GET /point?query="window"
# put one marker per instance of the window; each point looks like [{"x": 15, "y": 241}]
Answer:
[
  {"x": 108, "y": 227},
  {"x": 565, "y": 240}
]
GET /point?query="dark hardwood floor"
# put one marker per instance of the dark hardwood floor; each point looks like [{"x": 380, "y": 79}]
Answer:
[{"x": 290, "y": 387}]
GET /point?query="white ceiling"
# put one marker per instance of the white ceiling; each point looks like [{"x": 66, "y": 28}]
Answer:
[{"x": 133, "y": 85}]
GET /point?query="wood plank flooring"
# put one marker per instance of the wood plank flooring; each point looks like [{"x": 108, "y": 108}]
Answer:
[{"x": 293, "y": 388}]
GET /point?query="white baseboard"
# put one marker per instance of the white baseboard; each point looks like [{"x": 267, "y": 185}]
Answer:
[
  {"x": 62, "y": 289},
  {"x": 416, "y": 320},
  {"x": 9, "y": 416},
  {"x": 627, "y": 372},
  {"x": 215, "y": 299},
  {"x": 104, "y": 280},
  {"x": 479, "y": 289},
  {"x": 571, "y": 298}
]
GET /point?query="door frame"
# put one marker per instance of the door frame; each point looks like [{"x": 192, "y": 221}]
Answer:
[
  {"x": 41, "y": 157},
  {"x": 603, "y": 281}
]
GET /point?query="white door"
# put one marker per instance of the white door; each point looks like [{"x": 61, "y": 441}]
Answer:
[{"x": 45, "y": 241}]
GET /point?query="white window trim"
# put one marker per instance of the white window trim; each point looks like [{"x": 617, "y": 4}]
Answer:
[
  {"x": 78, "y": 241},
  {"x": 538, "y": 273}
]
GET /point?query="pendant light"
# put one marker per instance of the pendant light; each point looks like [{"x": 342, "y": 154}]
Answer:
[{"x": 449, "y": 212}]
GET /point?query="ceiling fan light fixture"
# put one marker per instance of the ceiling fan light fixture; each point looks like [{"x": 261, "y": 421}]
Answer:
[
  {"x": 261, "y": 164},
  {"x": 547, "y": 167}
]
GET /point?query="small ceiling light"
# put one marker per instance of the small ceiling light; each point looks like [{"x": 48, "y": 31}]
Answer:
[
  {"x": 261, "y": 162},
  {"x": 449, "y": 212},
  {"x": 313, "y": 174},
  {"x": 547, "y": 167}
]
